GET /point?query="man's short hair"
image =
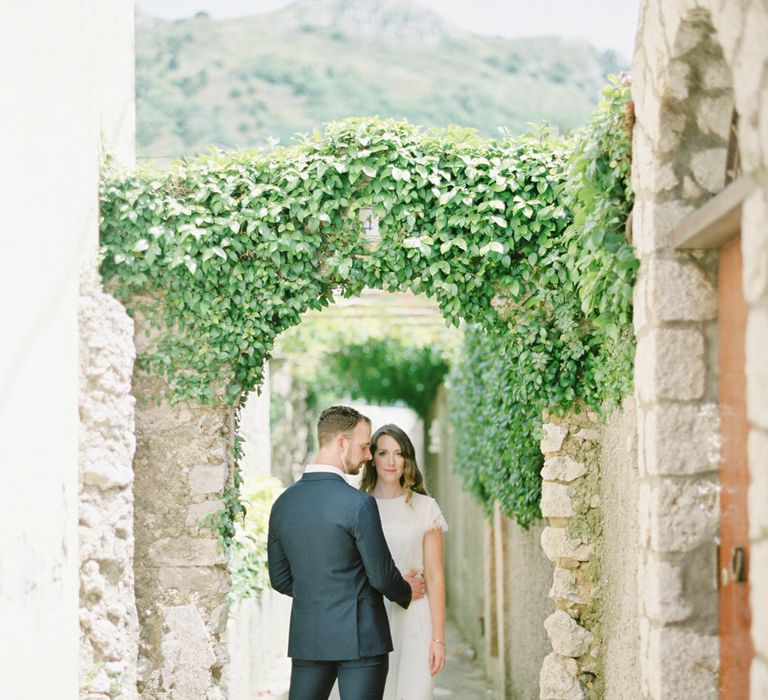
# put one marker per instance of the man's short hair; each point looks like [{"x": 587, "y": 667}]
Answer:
[{"x": 336, "y": 420}]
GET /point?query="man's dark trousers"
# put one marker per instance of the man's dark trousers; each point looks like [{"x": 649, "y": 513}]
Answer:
[
  {"x": 360, "y": 679},
  {"x": 327, "y": 551}
]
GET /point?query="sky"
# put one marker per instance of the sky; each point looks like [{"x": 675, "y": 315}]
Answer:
[{"x": 607, "y": 24}]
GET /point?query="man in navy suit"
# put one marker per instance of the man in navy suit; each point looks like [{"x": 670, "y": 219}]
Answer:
[{"x": 327, "y": 551}]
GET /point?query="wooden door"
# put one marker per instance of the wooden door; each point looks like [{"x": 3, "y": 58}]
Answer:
[{"x": 735, "y": 617}]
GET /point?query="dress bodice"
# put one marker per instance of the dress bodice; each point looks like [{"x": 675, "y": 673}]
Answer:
[{"x": 404, "y": 526}]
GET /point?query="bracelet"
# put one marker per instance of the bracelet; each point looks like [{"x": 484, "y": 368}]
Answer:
[{"x": 439, "y": 641}]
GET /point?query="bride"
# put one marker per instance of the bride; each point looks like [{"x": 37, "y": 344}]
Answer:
[{"x": 413, "y": 527}]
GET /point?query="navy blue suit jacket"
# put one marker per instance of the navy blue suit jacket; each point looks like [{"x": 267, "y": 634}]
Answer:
[{"x": 327, "y": 550}]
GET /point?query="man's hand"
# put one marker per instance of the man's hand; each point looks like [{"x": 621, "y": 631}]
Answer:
[{"x": 416, "y": 582}]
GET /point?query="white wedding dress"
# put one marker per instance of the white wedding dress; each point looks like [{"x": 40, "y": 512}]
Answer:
[{"x": 405, "y": 525}]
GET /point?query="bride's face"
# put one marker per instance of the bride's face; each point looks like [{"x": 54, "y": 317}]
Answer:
[{"x": 388, "y": 460}]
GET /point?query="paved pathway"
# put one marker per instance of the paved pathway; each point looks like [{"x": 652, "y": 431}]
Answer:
[{"x": 462, "y": 678}]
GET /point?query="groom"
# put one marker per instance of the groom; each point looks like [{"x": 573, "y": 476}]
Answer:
[{"x": 327, "y": 551}]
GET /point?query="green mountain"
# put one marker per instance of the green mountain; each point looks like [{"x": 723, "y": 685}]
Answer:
[{"x": 238, "y": 83}]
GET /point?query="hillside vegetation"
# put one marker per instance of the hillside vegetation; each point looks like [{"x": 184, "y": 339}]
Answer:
[{"x": 239, "y": 83}]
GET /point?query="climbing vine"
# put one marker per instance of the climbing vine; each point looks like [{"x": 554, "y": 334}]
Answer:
[
  {"x": 565, "y": 344},
  {"x": 223, "y": 253}
]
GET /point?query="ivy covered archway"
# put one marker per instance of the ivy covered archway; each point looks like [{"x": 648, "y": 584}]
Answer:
[{"x": 521, "y": 237}]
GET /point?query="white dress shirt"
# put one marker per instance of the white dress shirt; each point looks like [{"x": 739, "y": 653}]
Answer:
[{"x": 329, "y": 468}]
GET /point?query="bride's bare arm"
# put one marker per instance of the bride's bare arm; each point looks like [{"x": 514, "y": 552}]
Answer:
[{"x": 434, "y": 574}]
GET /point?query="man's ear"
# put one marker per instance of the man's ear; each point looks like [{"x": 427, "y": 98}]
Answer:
[{"x": 341, "y": 442}]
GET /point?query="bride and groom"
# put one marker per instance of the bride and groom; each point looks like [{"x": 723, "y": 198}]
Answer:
[{"x": 339, "y": 551}]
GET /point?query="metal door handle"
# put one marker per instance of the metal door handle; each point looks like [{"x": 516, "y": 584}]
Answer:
[{"x": 738, "y": 565}]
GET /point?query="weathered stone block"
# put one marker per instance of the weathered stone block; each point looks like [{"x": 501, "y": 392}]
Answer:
[
  {"x": 757, "y": 449},
  {"x": 556, "y": 500},
  {"x": 757, "y": 366},
  {"x": 187, "y": 653},
  {"x": 660, "y": 584},
  {"x": 557, "y": 681},
  {"x": 565, "y": 587},
  {"x": 186, "y": 551},
  {"x": 680, "y": 292},
  {"x": 682, "y": 664},
  {"x": 679, "y": 71},
  {"x": 672, "y": 131},
  {"x": 217, "y": 620},
  {"x": 691, "y": 191},
  {"x": 714, "y": 115},
  {"x": 716, "y": 76},
  {"x": 199, "y": 511},
  {"x": 106, "y": 473},
  {"x": 681, "y": 439},
  {"x": 641, "y": 317},
  {"x": 567, "y": 637},
  {"x": 678, "y": 516},
  {"x": 589, "y": 435},
  {"x": 204, "y": 480},
  {"x": 562, "y": 469},
  {"x": 194, "y": 578},
  {"x": 708, "y": 168},
  {"x": 558, "y": 545},
  {"x": 670, "y": 365},
  {"x": 554, "y": 435},
  {"x": 106, "y": 638}
]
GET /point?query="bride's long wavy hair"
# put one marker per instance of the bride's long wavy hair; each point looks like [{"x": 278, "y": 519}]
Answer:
[{"x": 412, "y": 479}]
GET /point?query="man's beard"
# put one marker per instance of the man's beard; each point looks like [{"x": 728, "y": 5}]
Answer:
[{"x": 352, "y": 468}]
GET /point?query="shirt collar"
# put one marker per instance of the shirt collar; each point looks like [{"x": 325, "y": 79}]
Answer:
[{"x": 328, "y": 468}]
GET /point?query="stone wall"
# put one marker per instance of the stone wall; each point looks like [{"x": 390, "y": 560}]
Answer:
[
  {"x": 109, "y": 631},
  {"x": 570, "y": 500},
  {"x": 695, "y": 62},
  {"x": 620, "y": 554},
  {"x": 528, "y": 578},
  {"x": 183, "y": 462}
]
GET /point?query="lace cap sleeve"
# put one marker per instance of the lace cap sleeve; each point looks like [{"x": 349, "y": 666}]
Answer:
[{"x": 435, "y": 518}]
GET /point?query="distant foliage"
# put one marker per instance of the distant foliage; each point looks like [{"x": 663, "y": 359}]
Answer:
[
  {"x": 386, "y": 371},
  {"x": 518, "y": 237}
]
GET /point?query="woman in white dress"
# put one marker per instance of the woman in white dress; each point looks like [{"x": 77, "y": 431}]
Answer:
[{"x": 413, "y": 527}]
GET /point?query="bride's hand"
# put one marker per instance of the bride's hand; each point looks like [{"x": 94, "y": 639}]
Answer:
[{"x": 436, "y": 656}]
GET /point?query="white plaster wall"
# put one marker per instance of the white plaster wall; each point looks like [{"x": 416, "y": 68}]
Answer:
[{"x": 66, "y": 70}]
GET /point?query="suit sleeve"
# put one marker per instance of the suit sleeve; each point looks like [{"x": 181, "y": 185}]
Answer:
[
  {"x": 377, "y": 560},
  {"x": 279, "y": 567}
]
